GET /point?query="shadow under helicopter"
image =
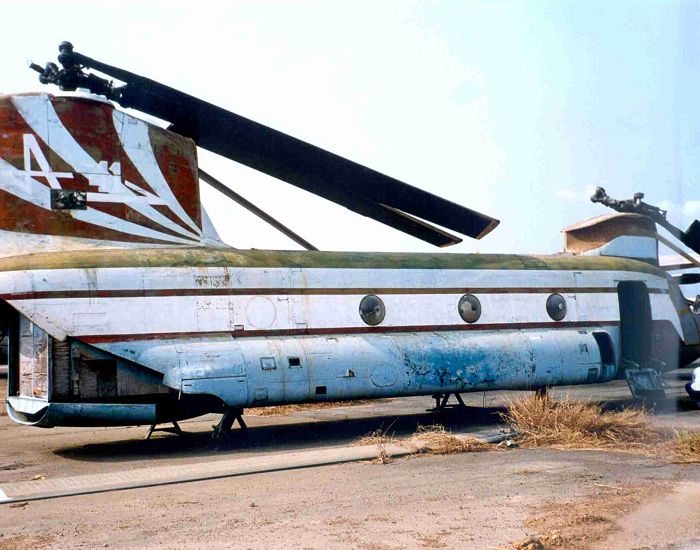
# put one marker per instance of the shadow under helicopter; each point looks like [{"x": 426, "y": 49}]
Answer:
[
  {"x": 305, "y": 434},
  {"x": 286, "y": 436}
]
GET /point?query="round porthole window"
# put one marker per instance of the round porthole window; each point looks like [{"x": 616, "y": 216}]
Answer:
[
  {"x": 469, "y": 308},
  {"x": 372, "y": 310},
  {"x": 556, "y": 307}
]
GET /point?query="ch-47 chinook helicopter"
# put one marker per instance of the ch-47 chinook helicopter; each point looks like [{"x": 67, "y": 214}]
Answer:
[{"x": 123, "y": 307}]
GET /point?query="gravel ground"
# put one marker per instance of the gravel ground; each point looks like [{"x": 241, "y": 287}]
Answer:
[{"x": 569, "y": 499}]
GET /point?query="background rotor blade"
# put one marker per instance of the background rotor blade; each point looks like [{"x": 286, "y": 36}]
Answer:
[
  {"x": 678, "y": 267},
  {"x": 678, "y": 250},
  {"x": 688, "y": 278},
  {"x": 231, "y": 194},
  {"x": 691, "y": 237}
]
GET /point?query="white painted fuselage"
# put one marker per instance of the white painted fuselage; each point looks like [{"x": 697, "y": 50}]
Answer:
[{"x": 238, "y": 327}]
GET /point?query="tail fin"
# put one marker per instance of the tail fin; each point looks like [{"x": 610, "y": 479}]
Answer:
[{"x": 77, "y": 173}]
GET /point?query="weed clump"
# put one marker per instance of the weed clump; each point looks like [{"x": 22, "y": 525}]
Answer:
[
  {"x": 376, "y": 437},
  {"x": 568, "y": 423},
  {"x": 379, "y": 437},
  {"x": 685, "y": 448},
  {"x": 437, "y": 440}
]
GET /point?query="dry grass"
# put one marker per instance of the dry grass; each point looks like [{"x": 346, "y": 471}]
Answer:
[
  {"x": 21, "y": 542},
  {"x": 437, "y": 440},
  {"x": 377, "y": 437},
  {"x": 581, "y": 523},
  {"x": 383, "y": 457},
  {"x": 434, "y": 440},
  {"x": 685, "y": 448},
  {"x": 286, "y": 410},
  {"x": 568, "y": 423}
]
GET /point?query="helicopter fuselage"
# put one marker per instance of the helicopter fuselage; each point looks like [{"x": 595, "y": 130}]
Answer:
[{"x": 139, "y": 336}]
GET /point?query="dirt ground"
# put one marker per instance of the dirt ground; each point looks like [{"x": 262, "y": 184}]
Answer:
[{"x": 561, "y": 499}]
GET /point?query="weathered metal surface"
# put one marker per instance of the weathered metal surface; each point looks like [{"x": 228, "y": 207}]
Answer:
[
  {"x": 33, "y": 360},
  {"x": 101, "y": 305},
  {"x": 645, "y": 249},
  {"x": 83, "y": 414},
  {"x": 596, "y": 232},
  {"x": 690, "y": 237},
  {"x": 368, "y": 366}
]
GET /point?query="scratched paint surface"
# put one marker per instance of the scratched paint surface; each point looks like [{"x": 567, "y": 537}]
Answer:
[{"x": 366, "y": 366}]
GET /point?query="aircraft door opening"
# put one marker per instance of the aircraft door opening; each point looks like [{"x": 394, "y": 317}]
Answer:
[{"x": 635, "y": 322}]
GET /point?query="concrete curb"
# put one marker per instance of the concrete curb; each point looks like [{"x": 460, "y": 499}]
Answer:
[
  {"x": 41, "y": 489},
  {"x": 164, "y": 475}
]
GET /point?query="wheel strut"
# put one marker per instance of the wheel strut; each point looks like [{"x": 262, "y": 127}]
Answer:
[
  {"x": 174, "y": 430},
  {"x": 223, "y": 428},
  {"x": 441, "y": 401}
]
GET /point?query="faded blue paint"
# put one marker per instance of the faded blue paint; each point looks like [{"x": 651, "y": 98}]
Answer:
[
  {"x": 84, "y": 414},
  {"x": 310, "y": 368},
  {"x": 296, "y": 369}
]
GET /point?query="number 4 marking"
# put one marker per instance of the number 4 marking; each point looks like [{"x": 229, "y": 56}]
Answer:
[{"x": 31, "y": 147}]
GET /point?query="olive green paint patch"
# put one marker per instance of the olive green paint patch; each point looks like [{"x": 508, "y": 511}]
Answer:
[{"x": 209, "y": 257}]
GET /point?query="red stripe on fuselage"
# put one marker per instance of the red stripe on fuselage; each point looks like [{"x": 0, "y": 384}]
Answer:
[
  {"x": 108, "y": 338},
  {"x": 168, "y": 292}
]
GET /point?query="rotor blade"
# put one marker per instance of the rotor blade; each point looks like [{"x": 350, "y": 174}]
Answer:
[
  {"x": 688, "y": 278},
  {"x": 323, "y": 173},
  {"x": 382, "y": 213},
  {"x": 289, "y": 159},
  {"x": 404, "y": 222},
  {"x": 678, "y": 250},
  {"x": 221, "y": 188},
  {"x": 678, "y": 267},
  {"x": 691, "y": 237}
]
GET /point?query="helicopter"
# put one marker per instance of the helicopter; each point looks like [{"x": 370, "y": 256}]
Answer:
[{"x": 122, "y": 306}]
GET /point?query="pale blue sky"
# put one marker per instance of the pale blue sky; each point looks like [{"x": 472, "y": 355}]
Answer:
[{"x": 516, "y": 109}]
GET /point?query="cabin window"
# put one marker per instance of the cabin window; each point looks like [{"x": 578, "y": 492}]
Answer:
[
  {"x": 556, "y": 307},
  {"x": 372, "y": 310},
  {"x": 294, "y": 362},
  {"x": 469, "y": 308}
]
